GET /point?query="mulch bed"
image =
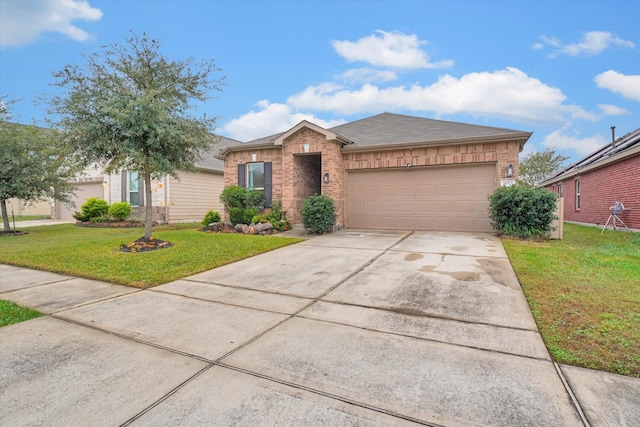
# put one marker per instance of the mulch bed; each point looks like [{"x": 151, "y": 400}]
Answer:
[
  {"x": 219, "y": 228},
  {"x": 145, "y": 245}
]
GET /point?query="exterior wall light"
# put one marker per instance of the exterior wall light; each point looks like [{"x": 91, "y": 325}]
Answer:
[
  {"x": 509, "y": 170},
  {"x": 325, "y": 178}
]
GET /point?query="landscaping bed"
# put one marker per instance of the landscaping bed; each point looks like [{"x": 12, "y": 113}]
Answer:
[{"x": 95, "y": 253}]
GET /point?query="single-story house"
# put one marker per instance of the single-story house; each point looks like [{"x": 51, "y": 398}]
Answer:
[
  {"x": 388, "y": 171},
  {"x": 184, "y": 200},
  {"x": 593, "y": 185}
]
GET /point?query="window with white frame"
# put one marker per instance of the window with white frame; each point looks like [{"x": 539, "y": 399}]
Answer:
[
  {"x": 577, "y": 194},
  {"x": 135, "y": 194},
  {"x": 255, "y": 175}
]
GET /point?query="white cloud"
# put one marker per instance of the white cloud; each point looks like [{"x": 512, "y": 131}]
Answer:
[
  {"x": 626, "y": 85},
  {"x": 509, "y": 94},
  {"x": 269, "y": 120},
  {"x": 367, "y": 75},
  {"x": 388, "y": 49},
  {"x": 592, "y": 43},
  {"x": 582, "y": 146},
  {"x": 22, "y": 22},
  {"x": 612, "y": 110}
]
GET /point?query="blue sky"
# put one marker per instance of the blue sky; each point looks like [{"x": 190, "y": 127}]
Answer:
[{"x": 566, "y": 71}]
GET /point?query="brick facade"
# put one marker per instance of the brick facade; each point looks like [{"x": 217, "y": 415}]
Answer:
[
  {"x": 600, "y": 189},
  {"x": 305, "y": 156}
]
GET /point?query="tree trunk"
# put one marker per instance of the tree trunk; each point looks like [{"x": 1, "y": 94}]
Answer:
[
  {"x": 148, "y": 208},
  {"x": 5, "y": 215}
]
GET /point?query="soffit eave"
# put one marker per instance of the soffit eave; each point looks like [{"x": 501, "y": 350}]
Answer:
[
  {"x": 521, "y": 138},
  {"x": 571, "y": 174}
]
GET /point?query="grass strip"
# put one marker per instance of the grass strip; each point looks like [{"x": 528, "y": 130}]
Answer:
[
  {"x": 95, "y": 253},
  {"x": 584, "y": 293},
  {"x": 11, "y": 313}
]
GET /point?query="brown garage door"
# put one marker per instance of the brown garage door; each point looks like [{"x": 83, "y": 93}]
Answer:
[
  {"x": 84, "y": 190},
  {"x": 448, "y": 198}
]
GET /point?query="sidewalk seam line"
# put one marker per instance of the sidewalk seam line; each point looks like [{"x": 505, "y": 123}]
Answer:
[{"x": 572, "y": 396}]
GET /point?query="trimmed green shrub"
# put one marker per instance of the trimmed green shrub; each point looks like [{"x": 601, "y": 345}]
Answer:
[
  {"x": 318, "y": 214},
  {"x": 120, "y": 210},
  {"x": 92, "y": 209},
  {"x": 282, "y": 225},
  {"x": 249, "y": 214},
  {"x": 254, "y": 199},
  {"x": 236, "y": 215},
  {"x": 233, "y": 197},
  {"x": 210, "y": 217},
  {"x": 522, "y": 211},
  {"x": 277, "y": 214},
  {"x": 260, "y": 218},
  {"x": 242, "y": 203}
]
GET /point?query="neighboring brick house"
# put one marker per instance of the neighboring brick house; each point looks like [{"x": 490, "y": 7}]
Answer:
[
  {"x": 184, "y": 200},
  {"x": 591, "y": 186},
  {"x": 388, "y": 171}
]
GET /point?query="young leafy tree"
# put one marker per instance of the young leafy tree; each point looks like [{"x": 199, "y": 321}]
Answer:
[
  {"x": 536, "y": 167},
  {"x": 131, "y": 108},
  {"x": 32, "y": 165}
]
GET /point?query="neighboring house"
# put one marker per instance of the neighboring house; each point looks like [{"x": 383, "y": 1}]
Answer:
[
  {"x": 591, "y": 186},
  {"x": 388, "y": 171},
  {"x": 21, "y": 208},
  {"x": 184, "y": 200}
]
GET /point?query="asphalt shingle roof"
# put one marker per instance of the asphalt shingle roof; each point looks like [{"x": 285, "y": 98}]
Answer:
[
  {"x": 388, "y": 129},
  {"x": 622, "y": 144},
  {"x": 209, "y": 161}
]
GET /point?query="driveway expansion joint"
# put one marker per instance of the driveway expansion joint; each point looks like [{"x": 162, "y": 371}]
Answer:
[
  {"x": 398, "y": 334},
  {"x": 329, "y": 395},
  {"x": 571, "y": 394}
]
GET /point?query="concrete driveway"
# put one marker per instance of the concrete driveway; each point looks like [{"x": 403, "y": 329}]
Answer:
[{"x": 352, "y": 328}]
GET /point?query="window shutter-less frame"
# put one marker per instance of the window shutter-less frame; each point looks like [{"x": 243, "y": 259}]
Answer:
[
  {"x": 267, "y": 184},
  {"x": 241, "y": 176}
]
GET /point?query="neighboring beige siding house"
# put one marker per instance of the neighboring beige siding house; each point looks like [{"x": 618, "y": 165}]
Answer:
[
  {"x": 185, "y": 200},
  {"x": 388, "y": 171},
  {"x": 20, "y": 208}
]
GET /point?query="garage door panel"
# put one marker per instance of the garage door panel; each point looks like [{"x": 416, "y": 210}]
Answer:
[{"x": 433, "y": 198}]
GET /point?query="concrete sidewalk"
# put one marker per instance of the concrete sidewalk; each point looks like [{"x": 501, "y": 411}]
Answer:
[
  {"x": 37, "y": 222},
  {"x": 352, "y": 328}
]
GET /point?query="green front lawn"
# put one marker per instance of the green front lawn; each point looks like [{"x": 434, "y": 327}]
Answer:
[
  {"x": 11, "y": 313},
  {"x": 584, "y": 292},
  {"x": 95, "y": 252}
]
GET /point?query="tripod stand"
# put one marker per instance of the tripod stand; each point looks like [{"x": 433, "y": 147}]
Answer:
[{"x": 616, "y": 210}]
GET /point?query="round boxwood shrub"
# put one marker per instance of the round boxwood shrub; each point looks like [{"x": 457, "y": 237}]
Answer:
[
  {"x": 318, "y": 214},
  {"x": 210, "y": 217},
  {"x": 522, "y": 211},
  {"x": 92, "y": 209},
  {"x": 120, "y": 210},
  {"x": 233, "y": 196},
  {"x": 249, "y": 214}
]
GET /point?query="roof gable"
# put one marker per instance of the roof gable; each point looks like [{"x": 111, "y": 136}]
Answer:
[{"x": 329, "y": 135}]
